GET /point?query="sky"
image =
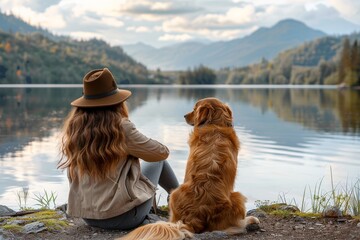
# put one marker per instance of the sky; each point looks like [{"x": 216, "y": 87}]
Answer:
[{"x": 165, "y": 22}]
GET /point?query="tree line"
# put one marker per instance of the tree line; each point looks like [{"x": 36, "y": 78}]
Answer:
[
  {"x": 34, "y": 58},
  {"x": 199, "y": 75},
  {"x": 328, "y": 60}
]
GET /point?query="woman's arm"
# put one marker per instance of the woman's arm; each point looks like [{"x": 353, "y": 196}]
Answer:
[{"x": 138, "y": 145}]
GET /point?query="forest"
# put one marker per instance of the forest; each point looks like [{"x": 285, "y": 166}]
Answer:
[
  {"x": 34, "y": 58},
  {"x": 329, "y": 60}
]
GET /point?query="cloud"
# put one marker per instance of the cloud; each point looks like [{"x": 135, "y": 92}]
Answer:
[
  {"x": 238, "y": 18},
  {"x": 349, "y": 9},
  {"x": 110, "y": 21},
  {"x": 140, "y": 29},
  {"x": 155, "y": 11},
  {"x": 51, "y": 18},
  {"x": 79, "y": 8},
  {"x": 175, "y": 20},
  {"x": 175, "y": 37},
  {"x": 41, "y": 5},
  {"x": 233, "y": 17},
  {"x": 235, "y": 22}
]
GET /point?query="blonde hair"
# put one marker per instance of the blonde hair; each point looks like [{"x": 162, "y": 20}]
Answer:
[{"x": 93, "y": 141}]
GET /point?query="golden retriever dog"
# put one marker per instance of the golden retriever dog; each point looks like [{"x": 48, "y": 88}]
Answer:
[{"x": 206, "y": 201}]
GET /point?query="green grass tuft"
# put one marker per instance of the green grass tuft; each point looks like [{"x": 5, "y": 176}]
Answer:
[{"x": 12, "y": 227}]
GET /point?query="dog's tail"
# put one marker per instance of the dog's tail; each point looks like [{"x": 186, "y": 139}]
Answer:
[{"x": 159, "y": 231}]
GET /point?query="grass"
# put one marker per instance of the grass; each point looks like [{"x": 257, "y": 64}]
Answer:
[
  {"x": 55, "y": 224},
  {"x": 43, "y": 201},
  {"x": 344, "y": 197},
  {"x": 51, "y": 218},
  {"x": 46, "y": 200},
  {"x": 22, "y": 197},
  {"x": 355, "y": 200},
  {"x": 12, "y": 227}
]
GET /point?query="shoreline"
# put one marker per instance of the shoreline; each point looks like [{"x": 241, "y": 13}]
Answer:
[
  {"x": 280, "y": 223},
  {"x": 191, "y": 86}
]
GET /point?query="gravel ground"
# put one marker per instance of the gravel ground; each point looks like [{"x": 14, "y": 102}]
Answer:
[{"x": 272, "y": 227}]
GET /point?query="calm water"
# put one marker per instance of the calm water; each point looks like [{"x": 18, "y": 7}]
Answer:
[{"x": 290, "y": 137}]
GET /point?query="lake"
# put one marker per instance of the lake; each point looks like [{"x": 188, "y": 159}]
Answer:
[{"x": 290, "y": 137}]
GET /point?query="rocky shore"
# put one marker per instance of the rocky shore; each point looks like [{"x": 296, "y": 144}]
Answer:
[{"x": 282, "y": 223}]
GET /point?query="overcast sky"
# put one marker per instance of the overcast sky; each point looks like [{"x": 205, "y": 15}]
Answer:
[{"x": 165, "y": 22}]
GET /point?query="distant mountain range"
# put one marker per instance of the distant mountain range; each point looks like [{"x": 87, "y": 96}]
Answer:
[{"x": 263, "y": 43}]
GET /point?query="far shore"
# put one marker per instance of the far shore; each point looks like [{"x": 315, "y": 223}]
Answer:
[{"x": 226, "y": 86}]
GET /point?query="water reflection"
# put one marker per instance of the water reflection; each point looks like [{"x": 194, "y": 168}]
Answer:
[{"x": 284, "y": 132}]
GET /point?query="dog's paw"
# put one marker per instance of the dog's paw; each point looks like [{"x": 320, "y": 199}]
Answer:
[{"x": 252, "y": 220}]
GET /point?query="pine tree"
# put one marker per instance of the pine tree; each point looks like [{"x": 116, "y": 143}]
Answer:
[
  {"x": 354, "y": 56},
  {"x": 345, "y": 61},
  {"x": 357, "y": 64}
]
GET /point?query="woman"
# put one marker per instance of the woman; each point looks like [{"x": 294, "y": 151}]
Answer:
[{"x": 101, "y": 149}]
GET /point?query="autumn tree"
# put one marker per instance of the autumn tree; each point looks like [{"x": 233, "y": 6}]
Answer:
[{"x": 344, "y": 60}]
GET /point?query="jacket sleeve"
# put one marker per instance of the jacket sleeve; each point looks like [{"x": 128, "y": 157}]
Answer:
[{"x": 138, "y": 145}]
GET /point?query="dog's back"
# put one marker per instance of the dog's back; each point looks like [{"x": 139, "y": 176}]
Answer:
[{"x": 201, "y": 202}]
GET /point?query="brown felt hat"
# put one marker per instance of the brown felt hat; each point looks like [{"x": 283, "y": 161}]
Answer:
[{"x": 100, "y": 90}]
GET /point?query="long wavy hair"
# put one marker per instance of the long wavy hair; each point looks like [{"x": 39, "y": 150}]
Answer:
[{"x": 93, "y": 141}]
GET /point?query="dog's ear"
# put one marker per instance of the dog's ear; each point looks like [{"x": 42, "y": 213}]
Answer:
[
  {"x": 203, "y": 114},
  {"x": 228, "y": 116}
]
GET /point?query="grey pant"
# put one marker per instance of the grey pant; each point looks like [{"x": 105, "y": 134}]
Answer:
[{"x": 158, "y": 173}]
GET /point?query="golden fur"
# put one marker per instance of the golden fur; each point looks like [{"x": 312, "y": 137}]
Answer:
[
  {"x": 160, "y": 231},
  {"x": 206, "y": 200}
]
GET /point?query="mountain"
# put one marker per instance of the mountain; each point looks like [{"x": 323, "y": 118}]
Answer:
[
  {"x": 11, "y": 24},
  {"x": 32, "y": 54},
  {"x": 34, "y": 58},
  {"x": 321, "y": 61},
  {"x": 263, "y": 43}
]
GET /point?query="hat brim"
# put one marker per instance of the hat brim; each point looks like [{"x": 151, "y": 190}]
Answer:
[{"x": 120, "y": 96}]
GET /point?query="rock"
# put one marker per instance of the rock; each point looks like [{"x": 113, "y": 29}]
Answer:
[
  {"x": 332, "y": 212},
  {"x": 298, "y": 227},
  {"x": 34, "y": 227},
  {"x": 358, "y": 225},
  {"x": 341, "y": 220},
  {"x": 210, "y": 235},
  {"x": 289, "y": 208},
  {"x": 256, "y": 213},
  {"x": 299, "y": 219},
  {"x": 1, "y": 233},
  {"x": 16, "y": 222},
  {"x": 277, "y": 225},
  {"x": 252, "y": 227},
  {"x": 5, "y": 211}
]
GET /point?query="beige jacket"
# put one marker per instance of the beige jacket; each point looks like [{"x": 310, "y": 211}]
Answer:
[{"x": 123, "y": 190}]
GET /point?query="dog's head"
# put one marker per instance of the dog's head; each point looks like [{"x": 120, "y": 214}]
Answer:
[{"x": 210, "y": 111}]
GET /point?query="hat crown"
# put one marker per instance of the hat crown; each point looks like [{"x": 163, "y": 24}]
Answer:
[
  {"x": 99, "y": 82},
  {"x": 100, "y": 90}
]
